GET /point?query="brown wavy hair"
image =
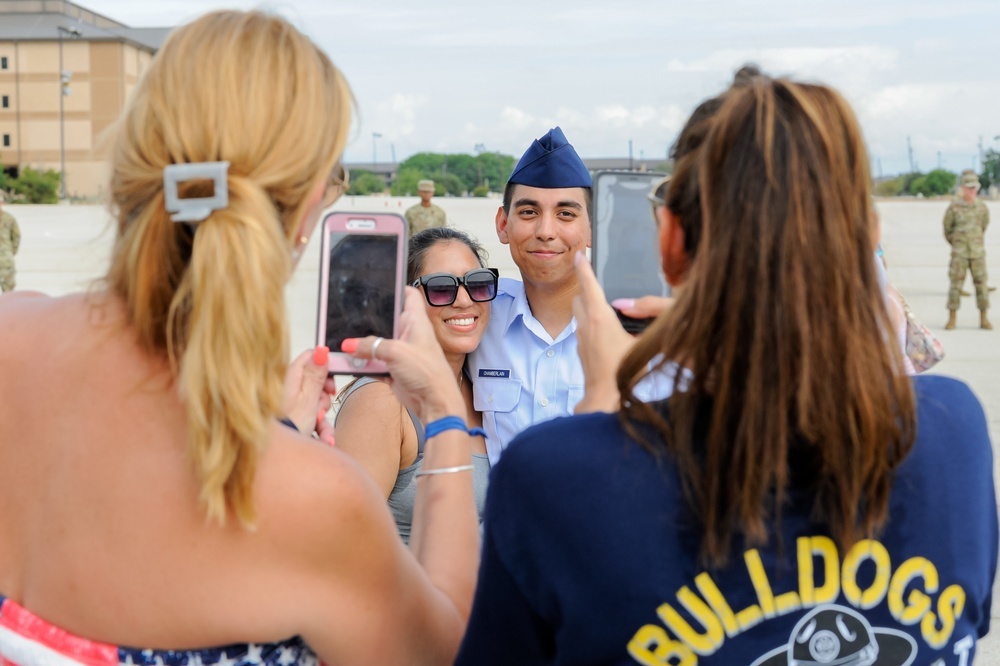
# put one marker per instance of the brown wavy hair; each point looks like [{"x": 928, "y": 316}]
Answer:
[
  {"x": 795, "y": 380},
  {"x": 248, "y": 88}
]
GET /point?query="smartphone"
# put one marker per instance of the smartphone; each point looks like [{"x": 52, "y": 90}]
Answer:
[
  {"x": 625, "y": 247},
  {"x": 361, "y": 276}
]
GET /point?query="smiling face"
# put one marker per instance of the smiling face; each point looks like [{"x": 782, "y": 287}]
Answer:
[
  {"x": 460, "y": 326},
  {"x": 544, "y": 229}
]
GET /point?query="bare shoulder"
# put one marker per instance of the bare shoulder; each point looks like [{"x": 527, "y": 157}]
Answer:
[
  {"x": 370, "y": 399},
  {"x": 26, "y": 319},
  {"x": 318, "y": 495},
  {"x": 21, "y": 301},
  {"x": 324, "y": 517}
]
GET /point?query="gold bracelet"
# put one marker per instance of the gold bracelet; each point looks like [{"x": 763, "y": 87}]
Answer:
[{"x": 444, "y": 470}]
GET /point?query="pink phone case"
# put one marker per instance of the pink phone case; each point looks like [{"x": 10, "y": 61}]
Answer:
[{"x": 361, "y": 276}]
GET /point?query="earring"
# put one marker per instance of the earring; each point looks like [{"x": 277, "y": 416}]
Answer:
[{"x": 300, "y": 245}]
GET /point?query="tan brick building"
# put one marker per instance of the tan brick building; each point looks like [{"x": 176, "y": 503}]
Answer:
[{"x": 41, "y": 43}]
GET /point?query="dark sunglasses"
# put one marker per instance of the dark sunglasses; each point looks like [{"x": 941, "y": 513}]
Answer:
[{"x": 441, "y": 289}]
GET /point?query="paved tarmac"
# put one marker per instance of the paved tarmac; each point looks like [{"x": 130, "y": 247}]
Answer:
[{"x": 66, "y": 248}]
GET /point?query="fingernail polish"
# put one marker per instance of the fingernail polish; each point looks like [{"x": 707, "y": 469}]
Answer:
[
  {"x": 623, "y": 303},
  {"x": 321, "y": 355},
  {"x": 349, "y": 345}
]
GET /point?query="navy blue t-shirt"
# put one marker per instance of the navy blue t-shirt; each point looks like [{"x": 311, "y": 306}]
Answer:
[{"x": 590, "y": 557}]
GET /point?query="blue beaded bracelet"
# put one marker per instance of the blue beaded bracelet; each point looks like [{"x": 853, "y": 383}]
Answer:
[{"x": 450, "y": 423}]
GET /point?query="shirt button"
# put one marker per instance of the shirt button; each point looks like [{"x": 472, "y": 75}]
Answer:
[
  {"x": 545, "y": 402},
  {"x": 490, "y": 398},
  {"x": 550, "y": 353}
]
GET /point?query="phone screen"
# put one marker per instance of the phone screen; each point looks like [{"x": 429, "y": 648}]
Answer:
[
  {"x": 362, "y": 287},
  {"x": 626, "y": 246}
]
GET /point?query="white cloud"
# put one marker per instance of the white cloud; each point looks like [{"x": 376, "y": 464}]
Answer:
[{"x": 446, "y": 75}]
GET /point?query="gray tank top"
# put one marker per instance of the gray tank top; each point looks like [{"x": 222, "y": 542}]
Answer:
[{"x": 404, "y": 493}]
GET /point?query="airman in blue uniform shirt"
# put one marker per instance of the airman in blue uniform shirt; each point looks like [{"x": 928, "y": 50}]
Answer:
[{"x": 527, "y": 369}]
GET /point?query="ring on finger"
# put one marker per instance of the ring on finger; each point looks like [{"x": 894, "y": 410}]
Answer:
[{"x": 375, "y": 345}]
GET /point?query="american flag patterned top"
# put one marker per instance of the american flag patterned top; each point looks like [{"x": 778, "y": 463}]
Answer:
[{"x": 28, "y": 640}]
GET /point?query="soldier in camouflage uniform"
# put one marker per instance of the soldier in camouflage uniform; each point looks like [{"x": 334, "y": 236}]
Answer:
[
  {"x": 964, "y": 226},
  {"x": 425, "y": 215},
  {"x": 10, "y": 240}
]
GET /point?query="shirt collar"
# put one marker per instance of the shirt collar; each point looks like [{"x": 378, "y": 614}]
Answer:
[{"x": 520, "y": 309}]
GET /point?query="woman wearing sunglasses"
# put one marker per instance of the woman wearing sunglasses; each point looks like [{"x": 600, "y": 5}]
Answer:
[{"x": 449, "y": 268}]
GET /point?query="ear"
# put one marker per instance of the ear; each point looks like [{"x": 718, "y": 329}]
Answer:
[
  {"x": 675, "y": 259},
  {"x": 502, "y": 223},
  {"x": 313, "y": 209}
]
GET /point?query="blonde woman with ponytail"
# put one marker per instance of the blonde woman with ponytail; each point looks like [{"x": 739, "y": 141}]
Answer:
[{"x": 153, "y": 506}]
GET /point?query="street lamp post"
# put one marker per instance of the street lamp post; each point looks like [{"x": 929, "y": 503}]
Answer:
[
  {"x": 375, "y": 136},
  {"x": 64, "y": 89}
]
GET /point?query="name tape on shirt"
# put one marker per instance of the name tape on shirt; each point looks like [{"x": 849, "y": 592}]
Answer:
[{"x": 495, "y": 374}]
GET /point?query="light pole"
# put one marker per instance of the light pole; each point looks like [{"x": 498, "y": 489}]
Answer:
[
  {"x": 64, "y": 89},
  {"x": 375, "y": 136}
]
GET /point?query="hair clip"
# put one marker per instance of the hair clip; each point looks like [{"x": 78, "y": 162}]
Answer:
[{"x": 195, "y": 209}]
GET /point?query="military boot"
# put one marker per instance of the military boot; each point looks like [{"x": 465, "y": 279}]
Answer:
[
  {"x": 984, "y": 322},
  {"x": 951, "y": 320}
]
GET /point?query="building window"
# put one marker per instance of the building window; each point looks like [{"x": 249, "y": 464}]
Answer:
[
  {"x": 5, "y": 102},
  {"x": 3, "y": 62},
  {"x": 6, "y": 140}
]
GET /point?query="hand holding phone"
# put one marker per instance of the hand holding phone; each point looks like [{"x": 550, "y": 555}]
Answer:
[
  {"x": 362, "y": 270},
  {"x": 635, "y": 314}
]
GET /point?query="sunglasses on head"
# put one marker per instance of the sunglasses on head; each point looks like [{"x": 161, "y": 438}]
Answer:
[
  {"x": 658, "y": 194},
  {"x": 337, "y": 183},
  {"x": 441, "y": 289}
]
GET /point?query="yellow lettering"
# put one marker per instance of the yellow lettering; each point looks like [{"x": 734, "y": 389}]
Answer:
[
  {"x": 950, "y": 605},
  {"x": 765, "y": 595},
  {"x": 749, "y": 617},
  {"x": 866, "y": 549},
  {"x": 919, "y": 602},
  {"x": 703, "y": 644},
  {"x": 652, "y": 646},
  {"x": 714, "y": 597},
  {"x": 824, "y": 547},
  {"x": 760, "y": 583}
]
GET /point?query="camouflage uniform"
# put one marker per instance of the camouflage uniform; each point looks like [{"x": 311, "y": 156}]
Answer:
[
  {"x": 10, "y": 240},
  {"x": 964, "y": 227},
  {"x": 423, "y": 217}
]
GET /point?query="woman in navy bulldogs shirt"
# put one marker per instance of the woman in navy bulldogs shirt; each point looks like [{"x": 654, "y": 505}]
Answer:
[{"x": 797, "y": 499}]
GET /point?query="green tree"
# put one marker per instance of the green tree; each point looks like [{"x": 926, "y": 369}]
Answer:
[
  {"x": 365, "y": 182},
  {"x": 406, "y": 180},
  {"x": 892, "y": 187},
  {"x": 489, "y": 169},
  {"x": 937, "y": 182},
  {"x": 449, "y": 183},
  {"x": 35, "y": 186},
  {"x": 494, "y": 168}
]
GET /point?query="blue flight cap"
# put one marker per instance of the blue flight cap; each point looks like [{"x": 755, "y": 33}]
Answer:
[{"x": 551, "y": 162}]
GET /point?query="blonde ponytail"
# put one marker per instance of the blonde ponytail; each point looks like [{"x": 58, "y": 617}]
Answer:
[
  {"x": 232, "y": 355},
  {"x": 247, "y": 88}
]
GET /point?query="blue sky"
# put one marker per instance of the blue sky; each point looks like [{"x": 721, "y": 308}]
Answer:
[{"x": 446, "y": 75}]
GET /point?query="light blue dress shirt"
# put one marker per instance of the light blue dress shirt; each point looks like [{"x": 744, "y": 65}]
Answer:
[{"x": 520, "y": 374}]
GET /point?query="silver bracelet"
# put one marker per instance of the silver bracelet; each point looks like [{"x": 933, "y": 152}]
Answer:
[{"x": 444, "y": 470}]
